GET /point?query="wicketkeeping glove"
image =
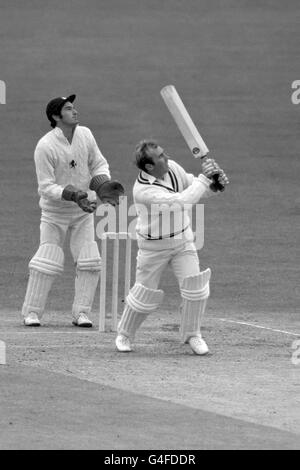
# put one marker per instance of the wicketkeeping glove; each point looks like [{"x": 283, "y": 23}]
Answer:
[
  {"x": 70, "y": 193},
  {"x": 107, "y": 191},
  {"x": 86, "y": 205}
]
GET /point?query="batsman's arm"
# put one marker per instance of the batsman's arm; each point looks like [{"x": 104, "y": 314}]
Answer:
[
  {"x": 198, "y": 189},
  {"x": 209, "y": 168}
]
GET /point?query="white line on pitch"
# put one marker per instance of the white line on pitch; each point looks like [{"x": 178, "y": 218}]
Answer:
[
  {"x": 54, "y": 332},
  {"x": 51, "y": 346},
  {"x": 258, "y": 326}
]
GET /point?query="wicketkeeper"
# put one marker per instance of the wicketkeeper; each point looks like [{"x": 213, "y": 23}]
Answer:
[
  {"x": 162, "y": 193},
  {"x": 71, "y": 172}
]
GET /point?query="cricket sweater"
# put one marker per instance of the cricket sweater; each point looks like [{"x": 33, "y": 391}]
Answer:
[{"x": 59, "y": 163}]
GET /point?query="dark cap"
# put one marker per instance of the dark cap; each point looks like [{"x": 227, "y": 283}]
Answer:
[{"x": 55, "y": 106}]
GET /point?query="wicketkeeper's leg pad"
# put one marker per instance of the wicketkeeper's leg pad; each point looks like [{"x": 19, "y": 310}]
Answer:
[
  {"x": 89, "y": 258},
  {"x": 49, "y": 259},
  {"x": 87, "y": 277},
  {"x": 140, "y": 302},
  {"x": 194, "y": 293},
  {"x": 43, "y": 267}
]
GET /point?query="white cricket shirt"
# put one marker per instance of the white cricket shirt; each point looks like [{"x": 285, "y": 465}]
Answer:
[{"x": 163, "y": 205}]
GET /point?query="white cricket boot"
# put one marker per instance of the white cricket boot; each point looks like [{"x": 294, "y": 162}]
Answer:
[
  {"x": 123, "y": 343},
  {"x": 83, "y": 321},
  {"x": 32, "y": 320},
  {"x": 198, "y": 345}
]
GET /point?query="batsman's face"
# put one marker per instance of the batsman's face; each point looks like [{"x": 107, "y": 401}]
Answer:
[
  {"x": 69, "y": 115},
  {"x": 160, "y": 160}
]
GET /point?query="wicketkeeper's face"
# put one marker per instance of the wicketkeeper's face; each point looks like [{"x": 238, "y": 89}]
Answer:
[{"x": 69, "y": 115}]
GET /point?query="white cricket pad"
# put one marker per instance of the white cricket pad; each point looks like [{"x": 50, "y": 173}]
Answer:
[
  {"x": 89, "y": 258},
  {"x": 194, "y": 292},
  {"x": 49, "y": 259},
  {"x": 86, "y": 281},
  {"x": 144, "y": 300},
  {"x": 85, "y": 288},
  {"x": 139, "y": 303},
  {"x": 46, "y": 263}
]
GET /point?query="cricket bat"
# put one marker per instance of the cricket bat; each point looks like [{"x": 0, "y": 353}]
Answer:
[{"x": 186, "y": 126}]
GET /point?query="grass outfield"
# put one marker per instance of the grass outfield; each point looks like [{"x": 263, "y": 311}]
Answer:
[{"x": 233, "y": 63}]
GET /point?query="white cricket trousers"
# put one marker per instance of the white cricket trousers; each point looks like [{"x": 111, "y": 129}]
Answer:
[
  {"x": 54, "y": 227},
  {"x": 151, "y": 264}
]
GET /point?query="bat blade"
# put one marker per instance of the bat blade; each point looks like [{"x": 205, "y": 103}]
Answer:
[
  {"x": 187, "y": 128},
  {"x": 184, "y": 121}
]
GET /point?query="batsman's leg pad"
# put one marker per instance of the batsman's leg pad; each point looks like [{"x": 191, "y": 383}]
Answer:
[
  {"x": 139, "y": 303},
  {"x": 87, "y": 277},
  {"x": 43, "y": 267},
  {"x": 194, "y": 293}
]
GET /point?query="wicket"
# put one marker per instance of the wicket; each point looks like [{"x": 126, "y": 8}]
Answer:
[{"x": 116, "y": 237}]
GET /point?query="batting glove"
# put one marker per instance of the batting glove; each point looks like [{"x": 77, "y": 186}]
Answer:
[{"x": 222, "y": 178}]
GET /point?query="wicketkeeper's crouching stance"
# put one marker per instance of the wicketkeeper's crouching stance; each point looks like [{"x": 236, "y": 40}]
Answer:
[
  {"x": 71, "y": 171},
  {"x": 163, "y": 186}
]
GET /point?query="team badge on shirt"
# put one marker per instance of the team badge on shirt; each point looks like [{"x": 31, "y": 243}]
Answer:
[{"x": 73, "y": 164}]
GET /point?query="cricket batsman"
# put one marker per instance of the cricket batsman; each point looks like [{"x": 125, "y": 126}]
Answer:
[
  {"x": 71, "y": 173},
  {"x": 162, "y": 192}
]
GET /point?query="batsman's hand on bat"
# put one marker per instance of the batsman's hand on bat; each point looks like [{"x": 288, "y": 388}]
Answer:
[{"x": 212, "y": 170}]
